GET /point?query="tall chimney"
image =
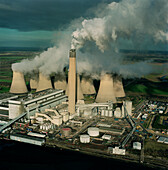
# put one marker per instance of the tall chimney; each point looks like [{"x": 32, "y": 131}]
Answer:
[
  {"x": 72, "y": 81},
  {"x": 44, "y": 83},
  {"x": 106, "y": 91},
  {"x": 87, "y": 86},
  {"x": 79, "y": 89},
  {"x": 18, "y": 83},
  {"x": 118, "y": 87}
]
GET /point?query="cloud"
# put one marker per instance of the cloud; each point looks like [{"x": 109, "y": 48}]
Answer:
[
  {"x": 98, "y": 39},
  {"x": 30, "y": 15}
]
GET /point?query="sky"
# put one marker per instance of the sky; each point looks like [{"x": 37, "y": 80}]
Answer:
[
  {"x": 40, "y": 23},
  {"x": 36, "y": 23},
  {"x": 97, "y": 29}
]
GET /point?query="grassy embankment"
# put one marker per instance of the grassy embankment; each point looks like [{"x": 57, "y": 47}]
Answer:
[{"x": 156, "y": 149}]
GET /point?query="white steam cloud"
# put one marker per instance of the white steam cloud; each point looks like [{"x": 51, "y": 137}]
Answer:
[
  {"x": 127, "y": 19},
  {"x": 99, "y": 39}
]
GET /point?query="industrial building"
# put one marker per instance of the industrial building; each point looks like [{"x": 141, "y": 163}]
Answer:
[{"x": 30, "y": 103}]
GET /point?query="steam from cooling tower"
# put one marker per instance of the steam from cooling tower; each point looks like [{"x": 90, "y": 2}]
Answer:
[
  {"x": 128, "y": 19},
  {"x": 128, "y": 24},
  {"x": 51, "y": 61}
]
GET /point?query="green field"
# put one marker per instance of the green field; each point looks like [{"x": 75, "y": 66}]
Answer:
[
  {"x": 156, "y": 123},
  {"x": 4, "y": 89},
  {"x": 147, "y": 87},
  {"x": 154, "y": 148}
]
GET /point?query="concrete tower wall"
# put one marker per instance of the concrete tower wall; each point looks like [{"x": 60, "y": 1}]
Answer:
[
  {"x": 106, "y": 91},
  {"x": 18, "y": 85},
  {"x": 44, "y": 83},
  {"x": 79, "y": 89},
  {"x": 72, "y": 81},
  {"x": 128, "y": 106},
  {"x": 87, "y": 86},
  {"x": 118, "y": 87},
  {"x": 33, "y": 84},
  {"x": 60, "y": 84}
]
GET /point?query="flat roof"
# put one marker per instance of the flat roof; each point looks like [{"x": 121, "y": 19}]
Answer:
[
  {"x": 110, "y": 129},
  {"x": 26, "y": 97}
]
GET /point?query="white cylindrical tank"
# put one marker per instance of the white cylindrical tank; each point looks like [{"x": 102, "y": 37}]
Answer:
[
  {"x": 102, "y": 112},
  {"x": 58, "y": 120},
  {"x": 65, "y": 116},
  {"x": 84, "y": 138},
  {"x": 66, "y": 131},
  {"x": 117, "y": 113},
  {"x": 93, "y": 131},
  {"x": 110, "y": 113},
  {"x": 44, "y": 127},
  {"x": 106, "y": 113}
]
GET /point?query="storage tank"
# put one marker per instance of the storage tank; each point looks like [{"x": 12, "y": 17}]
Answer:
[
  {"x": 102, "y": 112},
  {"x": 106, "y": 113},
  {"x": 65, "y": 116},
  {"x": 18, "y": 85},
  {"x": 110, "y": 113},
  {"x": 84, "y": 138},
  {"x": 93, "y": 131},
  {"x": 57, "y": 120},
  {"x": 117, "y": 113},
  {"x": 106, "y": 91},
  {"x": 41, "y": 127},
  {"x": 66, "y": 132}
]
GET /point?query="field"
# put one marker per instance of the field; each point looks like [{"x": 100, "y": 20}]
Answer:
[
  {"x": 146, "y": 87},
  {"x": 154, "y": 148},
  {"x": 158, "y": 122},
  {"x": 7, "y": 58}
]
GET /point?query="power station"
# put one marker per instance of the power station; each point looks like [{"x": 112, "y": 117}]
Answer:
[
  {"x": 110, "y": 89},
  {"x": 70, "y": 110}
]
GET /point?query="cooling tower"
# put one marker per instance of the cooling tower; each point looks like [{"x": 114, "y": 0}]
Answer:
[
  {"x": 106, "y": 91},
  {"x": 67, "y": 90},
  {"x": 44, "y": 83},
  {"x": 79, "y": 89},
  {"x": 18, "y": 83},
  {"x": 72, "y": 81},
  {"x": 87, "y": 86},
  {"x": 61, "y": 84},
  {"x": 118, "y": 87},
  {"x": 33, "y": 84}
]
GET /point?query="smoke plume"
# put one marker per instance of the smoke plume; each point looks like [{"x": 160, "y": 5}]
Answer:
[
  {"x": 128, "y": 19},
  {"x": 128, "y": 23}
]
